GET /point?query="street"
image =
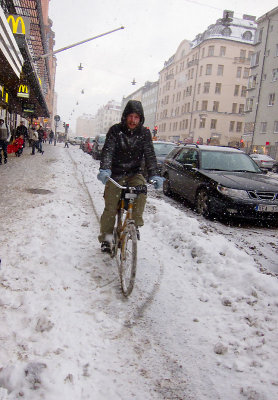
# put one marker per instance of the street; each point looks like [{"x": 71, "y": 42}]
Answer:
[{"x": 201, "y": 323}]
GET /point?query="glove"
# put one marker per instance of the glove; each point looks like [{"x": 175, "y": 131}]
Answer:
[
  {"x": 104, "y": 175},
  {"x": 157, "y": 181}
]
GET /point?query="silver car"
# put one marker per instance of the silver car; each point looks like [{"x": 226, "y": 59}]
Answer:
[{"x": 263, "y": 161}]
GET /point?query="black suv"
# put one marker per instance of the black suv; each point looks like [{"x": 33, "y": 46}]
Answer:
[{"x": 220, "y": 181}]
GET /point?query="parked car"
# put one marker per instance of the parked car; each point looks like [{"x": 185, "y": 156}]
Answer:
[
  {"x": 263, "y": 161},
  {"x": 275, "y": 167},
  {"x": 97, "y": 146},
  {"x": 161, "y": 149},
  {"x": 220, "y": 181},
  {"x": 76, "y": 140},
  {"x": 88, "y": 145}
]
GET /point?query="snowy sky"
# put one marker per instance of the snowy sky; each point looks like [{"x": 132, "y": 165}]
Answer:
[
  {"x": 201, "y": 323},
  {"x": 153, "y": 31}
]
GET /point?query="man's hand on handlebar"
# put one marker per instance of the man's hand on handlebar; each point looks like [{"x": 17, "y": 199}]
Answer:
[
  {"x": 104, "y": 175},
  {"x": 157, "y": 181}
]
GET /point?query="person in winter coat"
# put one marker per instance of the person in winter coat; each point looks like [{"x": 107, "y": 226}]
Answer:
[
  {"x": 33, "y": 136},
  {"x": 4, "y": 139},
  {"x": 21, "y": 130},
  {"x": 125, "y": 146}
]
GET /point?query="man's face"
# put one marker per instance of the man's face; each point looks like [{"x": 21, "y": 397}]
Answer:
[{"x": 132, "y": 121}]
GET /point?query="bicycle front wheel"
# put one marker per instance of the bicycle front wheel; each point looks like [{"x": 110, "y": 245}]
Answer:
[{"x": 128, "y": 259}]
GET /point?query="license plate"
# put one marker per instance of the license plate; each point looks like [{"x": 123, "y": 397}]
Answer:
[{"x": 267, "y": 208}]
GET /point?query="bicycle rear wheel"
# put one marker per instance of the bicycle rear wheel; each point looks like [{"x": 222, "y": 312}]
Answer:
[{"x": 128, "y": 259}]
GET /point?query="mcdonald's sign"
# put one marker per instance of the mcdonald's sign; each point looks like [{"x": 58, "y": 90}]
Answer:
[
  {"x": 23, "y": 91},
  {"x": 19, "y": 25}
]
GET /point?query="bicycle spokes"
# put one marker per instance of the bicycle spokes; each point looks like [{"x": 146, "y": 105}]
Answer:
[{"x": 128, "y": 260}]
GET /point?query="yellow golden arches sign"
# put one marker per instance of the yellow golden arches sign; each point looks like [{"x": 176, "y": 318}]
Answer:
[
  {"x": 19, "y": 25},
  {"x": 23, "y": 91}
]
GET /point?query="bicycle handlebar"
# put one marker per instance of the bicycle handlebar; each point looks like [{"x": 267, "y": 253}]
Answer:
[{"x": 125, "y": 187}]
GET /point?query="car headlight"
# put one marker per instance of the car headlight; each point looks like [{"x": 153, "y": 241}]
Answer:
[{"x": 235, "y": 193}]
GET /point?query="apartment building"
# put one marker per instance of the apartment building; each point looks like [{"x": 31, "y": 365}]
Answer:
[
  {"x": 202, "y": 87},
  {"x": 86, "y": 125},
  {"x": 147, "y": 94},
  {"x": 261, "y": 133},
  {"x": 107, "y": 116}
]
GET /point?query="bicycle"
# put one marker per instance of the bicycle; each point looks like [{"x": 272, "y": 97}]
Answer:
[{"x": 125, "y": 236}]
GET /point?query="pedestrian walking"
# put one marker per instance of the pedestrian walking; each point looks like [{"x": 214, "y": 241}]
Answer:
[
  {"x": 51, "y": 136},
  {"x": 22, "y": 130},
  {"x": 4, "y": 139},
  {"x": 33, "y": 135}
]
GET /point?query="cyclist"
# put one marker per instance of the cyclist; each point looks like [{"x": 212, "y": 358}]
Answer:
[{"x": 125, "y": 146}]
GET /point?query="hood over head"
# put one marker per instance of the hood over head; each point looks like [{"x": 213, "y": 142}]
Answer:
[{"x": 133, "y": 106}]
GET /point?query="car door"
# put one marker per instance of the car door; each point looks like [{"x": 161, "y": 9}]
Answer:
[{"x": 186, "y": 176}]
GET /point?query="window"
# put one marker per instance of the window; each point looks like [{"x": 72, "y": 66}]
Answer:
[
  {"x": 222, "y": 51},
  {"x": 275, "y": 74},
  {"x": 232, "y": 126},
  {"x": 275, "y": 127},
  {"x": 220, "y": 70},
  {"x": 206, "y": 87},
  {"x": 258, "y": 36},
  {"x": 197, "y": 105},
  {"x": 246, "y": 73},
  {"x": 208, "y": 69},
  {"x": 194, "y": 123},
  {"x": 213, "y": 123},
  {"x": 201, "y": 70},
  {"x": 215, "y": 106},
  {"x": 202, "y": 123},
  {"x": 271, "y": 99},
  {"x": 218, "y": 88},
  {"x": 243, "y": 91},
  {"x": 252, "y": 81},
  {"x": 211, "y": 51},
  {"x": 276, "y": 50},
  {"x": 234, "y": 108},
  {"x": 236, "y": 91},
  {"x": 203, "y": 52},
  {"x": 204, "y": 105},
  {"x": 255, "y": 59},
  {"x": 263, "y": 127},
  {"x": 247, "y": 35},
  {"x": 241, "y": 109},
  {"x": 239, "y": 126},
  {"x": 249, "y": 104},
  {"x": 199, "y": 88},
  {"x": 242, "y": 54},
  {"x": 226, "y": 31},
  {"x": 238, "y": 72}
]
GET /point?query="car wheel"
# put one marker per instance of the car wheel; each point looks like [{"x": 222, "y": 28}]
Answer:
[
  {"x": 166, "y": 186},
  {"x": 202, "y": 203}
]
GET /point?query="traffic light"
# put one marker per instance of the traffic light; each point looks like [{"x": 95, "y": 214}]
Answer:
[{"x": 155, "y": 131}]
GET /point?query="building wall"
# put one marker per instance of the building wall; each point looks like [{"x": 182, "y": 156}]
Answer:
[
  {"x": 107, "y": 116},
  {"x": 262, "y": 102},
  {"x": 86, "y": 126},
  {"x": 190, "y": 106}
]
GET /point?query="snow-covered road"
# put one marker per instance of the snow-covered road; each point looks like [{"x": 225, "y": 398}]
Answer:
[{"x": 201, "y": 323}]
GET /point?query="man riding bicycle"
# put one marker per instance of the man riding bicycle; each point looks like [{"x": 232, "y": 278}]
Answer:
[{"x": 126, "y": 144}]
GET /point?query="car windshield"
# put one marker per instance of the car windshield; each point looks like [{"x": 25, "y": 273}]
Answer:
[
  {"x": 91, "y": 140},
  {"x": 227, "y": 161},
  {"x": 163, "y": 149}
]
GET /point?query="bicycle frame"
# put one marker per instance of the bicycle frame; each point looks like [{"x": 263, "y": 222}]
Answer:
[{"x": 125, "y": 239}]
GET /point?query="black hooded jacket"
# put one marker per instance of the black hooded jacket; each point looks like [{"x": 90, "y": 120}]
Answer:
[{"x": 124, "y": 149}]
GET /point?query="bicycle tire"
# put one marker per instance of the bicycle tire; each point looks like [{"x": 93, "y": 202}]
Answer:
[{"x": 128, "y": 263}]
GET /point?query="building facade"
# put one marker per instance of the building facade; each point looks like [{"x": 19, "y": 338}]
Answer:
[
  {"x": 147, "y": 94},
  {"x": 261, "y": 133},
  {"x": 202, "y": 87},
  {"x": 107, "y": 116},
  {"x": 27, "y": 92},
  {"x": 86, "y": 125}
]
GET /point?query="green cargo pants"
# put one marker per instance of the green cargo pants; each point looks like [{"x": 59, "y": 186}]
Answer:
[{"x": 112, "y": 196}]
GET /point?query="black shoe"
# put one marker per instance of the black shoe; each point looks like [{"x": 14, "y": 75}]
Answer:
[
  {"x": 0, "y": 162},
  {"x": 105, "y": 247},
  {"x": 5, "y": 161},
  {"x": 42, "y": 152},
  {"x": 138, "y": 233}
]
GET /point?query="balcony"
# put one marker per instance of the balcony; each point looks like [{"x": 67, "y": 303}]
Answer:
[{"x": 241, "y": 60}]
